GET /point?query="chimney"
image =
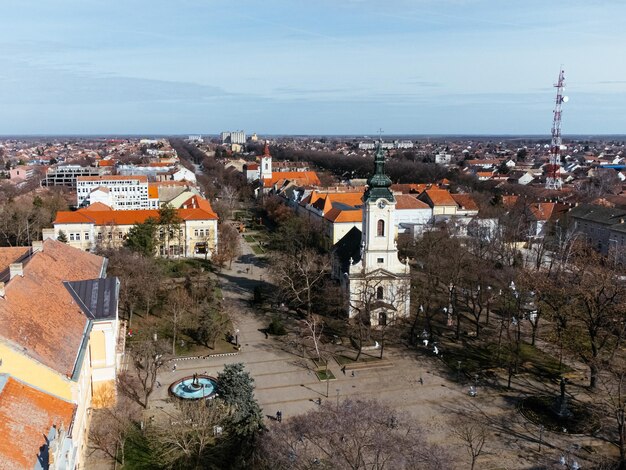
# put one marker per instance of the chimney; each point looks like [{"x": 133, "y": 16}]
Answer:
[
  {"x": 37, "y": 246},
  {"x": 48, "y": 233},
  {"x": 16, "y": 269},
  {"x": 2, "y": 292}
]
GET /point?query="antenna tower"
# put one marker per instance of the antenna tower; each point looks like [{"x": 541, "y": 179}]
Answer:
[{"x": 553, "y": 180}]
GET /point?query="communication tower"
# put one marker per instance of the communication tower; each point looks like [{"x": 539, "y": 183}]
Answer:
[{"x": 553, "y": 180}]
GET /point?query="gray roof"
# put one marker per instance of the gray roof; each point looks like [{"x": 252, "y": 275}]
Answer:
[
  {"x": 97, "y": 298},
  {"x": 599, "y": 214}
]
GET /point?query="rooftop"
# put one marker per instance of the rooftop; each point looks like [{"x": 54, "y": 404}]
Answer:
[
  {"x": 39, "y": 316},
  {"x": 26, "y": 416}
]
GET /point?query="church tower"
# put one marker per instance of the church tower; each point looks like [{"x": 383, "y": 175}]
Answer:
[
  {"x": 265, "y": 169},
  {"x": 379, "y": 282}
]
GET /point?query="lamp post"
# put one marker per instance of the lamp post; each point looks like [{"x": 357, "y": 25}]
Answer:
[{"x": 337, "y": 399}]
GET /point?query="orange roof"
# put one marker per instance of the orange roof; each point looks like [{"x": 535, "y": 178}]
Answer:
[
  {"x": 547, "y": 210},
  {"x": 11, "y": 255},
  {"x": 202, "y": 211},
  {"x": 142, "y": 178},
  {"x": 39, "y": 315},
  {"x": 198, "y": 202},
  {"x": 153, "y": 191},
  {"x": 509, "y": 200},
  {"x": 465, "y": 201},
  {"x": 407, "y": 188},
  {"x": 406, "y": 201},
  {"x": 440, "y": 197},
  {"x": 338, "y": 215},
  {"x": 97, "y": 206},
  {"x": 252, "y": 166},
  {"x": 299, "y": 177},
  {"x": 106, "y": 163},
  {"x": 26, "y": 417},
  {"x": 484, "y": 174}
]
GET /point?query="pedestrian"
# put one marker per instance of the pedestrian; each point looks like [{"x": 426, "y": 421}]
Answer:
[
  {"x": 343, "y": 369},
  {"x": 158, "y": 384},
  {"x": 319, "y": 401},
  {"x": 352, "y": 373},
  {"x": 421, "y": 381},
  {"x": 174, "y": 368}
]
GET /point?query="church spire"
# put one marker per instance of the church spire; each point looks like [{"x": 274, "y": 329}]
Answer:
[{"x": 378, "y": 184}]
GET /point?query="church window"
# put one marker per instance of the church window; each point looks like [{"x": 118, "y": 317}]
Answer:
[
  {"x": 379, "y": 293},
  {"x": 381, "y": 228},
  {"x": 380, "y": 260}
]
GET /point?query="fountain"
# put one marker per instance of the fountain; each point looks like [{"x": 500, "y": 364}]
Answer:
[
  {"x": 559, "y": 414},
  {"x": 194, "y": 387}
]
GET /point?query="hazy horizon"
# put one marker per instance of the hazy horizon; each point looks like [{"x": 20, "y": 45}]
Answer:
[{"x": 419, "y": 67}]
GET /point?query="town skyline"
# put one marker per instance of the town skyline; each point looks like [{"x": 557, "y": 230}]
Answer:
[{"x": 419, "y": 68}]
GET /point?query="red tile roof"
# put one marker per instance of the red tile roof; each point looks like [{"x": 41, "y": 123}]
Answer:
[
  {"x": 38, "y": 315},
  {"x": 465, "y": 201},
  {"x": 440, "y": 197},
  {"x": 299, "y": 177},
  {"x": 406, "y": 201},
  {"x": 26, "y": 417},
  {"x": 201, "y": 211},
  {"x": 338, "y": 215},
  {"x": 11, "y": 255}
]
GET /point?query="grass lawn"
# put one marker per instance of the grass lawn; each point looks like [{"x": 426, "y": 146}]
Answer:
[
  {"x": 477, "y": 357},
  {"x": 325, "y": 375},
  {"x": 319, "y": 363},
  {"x": 249, "y": 238},
  {"x": 257, "y": 249}
]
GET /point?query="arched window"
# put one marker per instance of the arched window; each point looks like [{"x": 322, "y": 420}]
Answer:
[
  {"x": 379, "y": 293},
  {"x": 381, "y": 228}
]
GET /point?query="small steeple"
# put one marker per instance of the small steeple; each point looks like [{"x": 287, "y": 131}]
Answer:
[
  {"x": 266, "y": 149},
  {"x": 378, "y": 184}
]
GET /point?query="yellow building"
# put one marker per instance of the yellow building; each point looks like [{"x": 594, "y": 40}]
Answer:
[{"x": 59, "y": 330}]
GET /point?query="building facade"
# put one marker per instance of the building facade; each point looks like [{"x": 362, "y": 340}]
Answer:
[
  {"x": 376, "y": 282},
  {"x": 117, "y": 192},
  {"x": 59, "y": 334},
  {"x": 100, "y": 226}
]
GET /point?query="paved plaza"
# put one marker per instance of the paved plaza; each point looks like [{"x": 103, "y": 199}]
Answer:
[{"x": 285, "y": 383}]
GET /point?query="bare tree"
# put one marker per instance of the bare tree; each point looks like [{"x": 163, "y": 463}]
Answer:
[
  {"x": 178, "y": 304},
  {"x": 145, "y": 361},
  {"x": 228, "y": 245},
  {"x": 183, "y": 439},
  {"x": 473, "y": 436},
  {"x": 297, "y": 275},
  {"x": 110, "y": 428},
  {"x": 355, "y": 435}
]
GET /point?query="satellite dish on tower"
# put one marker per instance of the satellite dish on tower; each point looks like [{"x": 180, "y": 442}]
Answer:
[{"x": 565, "y": 99}]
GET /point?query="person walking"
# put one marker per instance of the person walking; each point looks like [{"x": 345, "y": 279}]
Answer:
[{"x": 279, "y": 416}]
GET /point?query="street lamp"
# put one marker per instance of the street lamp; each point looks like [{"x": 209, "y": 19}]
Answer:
[{"x": 337, "y": 398}]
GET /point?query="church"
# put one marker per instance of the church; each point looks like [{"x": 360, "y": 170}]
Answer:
[{"x": 376, "y": 283}]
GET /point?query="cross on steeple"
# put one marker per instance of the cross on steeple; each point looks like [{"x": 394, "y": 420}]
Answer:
[{"x": 380, "y": 134}]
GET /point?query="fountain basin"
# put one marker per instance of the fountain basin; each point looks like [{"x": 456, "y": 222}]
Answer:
[{"x": 194, "y": 388}]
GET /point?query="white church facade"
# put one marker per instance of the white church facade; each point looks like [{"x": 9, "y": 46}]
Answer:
[{"x": 376, "y": 283}]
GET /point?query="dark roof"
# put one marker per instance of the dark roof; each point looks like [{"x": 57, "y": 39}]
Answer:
[
  {"x": 349, "y": 247},
  {"x": 603, "y": 215},
  {"x": 97, "y": 298}
]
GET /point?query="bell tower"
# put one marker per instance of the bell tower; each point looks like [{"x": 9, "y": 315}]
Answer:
[
  {"x": 265, "y": 168},
  {"x": 379, "y": 231}
]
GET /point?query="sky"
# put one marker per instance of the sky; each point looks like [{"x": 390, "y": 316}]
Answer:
[{"x": 310, "y": 66}]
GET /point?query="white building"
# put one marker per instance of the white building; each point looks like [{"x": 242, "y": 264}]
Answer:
[
  {"x": 117, "y": 192},
  {"x": 376, "y": 282},
  {"x": 233, "y": 137}
]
